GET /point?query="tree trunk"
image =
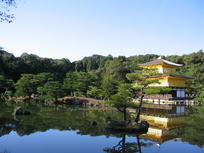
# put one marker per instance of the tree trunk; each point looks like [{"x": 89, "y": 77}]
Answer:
[
  {"x": 125, "y": 115},
  {"x": 3, "y": 96},
  {"x": 139, "y": 109},
  {"x": 56, "y": 100},
  {"x": 138, "y": 144},
  {"x": 123, "y": 143}
]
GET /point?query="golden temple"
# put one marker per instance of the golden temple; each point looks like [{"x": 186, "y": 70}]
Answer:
[{"x": 177, "y": 83}]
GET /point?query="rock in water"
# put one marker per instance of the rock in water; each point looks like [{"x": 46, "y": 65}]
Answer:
[
  {"x": 107, "y": 119},
  {"x": 26, "y": 113},
  {"x": 19, "y": 111},
  {"x": 93, "y": 123}
]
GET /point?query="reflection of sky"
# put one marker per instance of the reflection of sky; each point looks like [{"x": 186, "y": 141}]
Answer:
[
  {"x": 174, "y": 147},
  {"x": 54, "y": 141}
]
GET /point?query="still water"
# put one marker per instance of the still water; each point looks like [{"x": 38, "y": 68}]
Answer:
[{"x": 61, "y": 129}]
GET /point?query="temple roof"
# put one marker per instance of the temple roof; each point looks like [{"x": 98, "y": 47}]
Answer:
[{"x": 160, "y": 61}]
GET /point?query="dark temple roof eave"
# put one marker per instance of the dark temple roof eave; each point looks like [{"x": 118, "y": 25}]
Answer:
[{"x": 171, "y": 75}]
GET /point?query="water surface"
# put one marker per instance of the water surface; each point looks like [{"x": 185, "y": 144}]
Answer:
[{"x": 61, "y": 129}]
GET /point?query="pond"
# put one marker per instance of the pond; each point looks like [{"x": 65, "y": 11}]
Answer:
[{"x": 62, "y": 129}]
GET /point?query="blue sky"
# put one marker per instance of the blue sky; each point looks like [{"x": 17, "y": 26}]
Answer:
[{"x": 74, "y": 29}]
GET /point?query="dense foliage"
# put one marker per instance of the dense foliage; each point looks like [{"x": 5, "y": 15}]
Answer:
[
  {"x": 123, "y": 99},
  {"x": 194, "y": 133},
  {"x": 96, "y": 76}
]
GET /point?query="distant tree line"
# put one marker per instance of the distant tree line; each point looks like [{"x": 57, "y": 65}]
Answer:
[{"x": 96, "y": 76}]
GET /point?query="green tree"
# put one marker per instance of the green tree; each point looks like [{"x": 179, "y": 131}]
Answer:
[
  {"x": 53, "y": 89},
  {"x": 114, "y": 74},
  {"x": 26, "y": 85},
  {"x": 200, "y": 97},
  {"x": 141, "y": 81},
  {"x": 29, "y": 83},
  {"x": 95, "y": 92},
  {"x": 116, "y": 69},
  {"x": 6, "y": 86},
  {"x": 157, "y": 90},
  {"x": 84, "y": 80},
  {"x": 77, "y": 83},
  {"x": 123, "y": 99},
  {"x": 42, "y": 78},
  {"x": 109, "y": 87},
  {"x": 69, "y": 83}
]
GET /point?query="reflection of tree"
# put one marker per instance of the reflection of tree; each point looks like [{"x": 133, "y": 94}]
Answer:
[
  {"x": 194, "y": 134},
  {"x": 5, "y": 151},
  {"x": 85, "y": 121},
  {"x": 123, "y": 147},
  {"x": 44, "y": 118}
]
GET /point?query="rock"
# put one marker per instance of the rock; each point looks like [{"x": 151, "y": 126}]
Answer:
[
  {"x": 26, "y": 113},
  {"x": 93, "y": 123},
  {"x": 107, "y": 119},
  {"x": 32, "y": 95},
  {"x": 75, "y": 101},
  {"x": 19, "y": 111}
]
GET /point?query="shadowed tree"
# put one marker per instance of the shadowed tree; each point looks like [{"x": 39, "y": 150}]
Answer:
[{"x": 5, "y": 86}]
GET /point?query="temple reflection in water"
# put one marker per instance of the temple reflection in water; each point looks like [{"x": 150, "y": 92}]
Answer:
[{"x": 164, "y": 122}]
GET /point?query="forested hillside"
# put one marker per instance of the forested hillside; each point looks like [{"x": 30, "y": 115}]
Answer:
[
  {"x": 97, "y": 76},
  {"x": 12, "y": 67}
]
